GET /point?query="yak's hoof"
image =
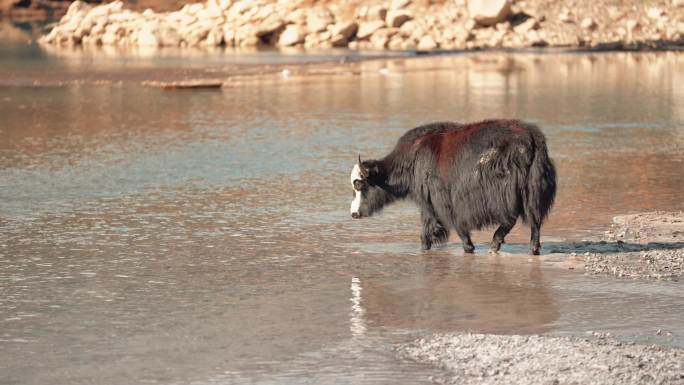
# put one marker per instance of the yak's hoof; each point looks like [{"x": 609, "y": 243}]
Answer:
[
  {"x": 469, "y": 249},
  {"x": 495, "y": 247},
  {"x": 534, "y": 251},
  {"x": 426, "y": 246}
]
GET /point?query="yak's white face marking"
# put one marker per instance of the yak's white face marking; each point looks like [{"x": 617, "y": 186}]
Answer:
[
  {"x": 355, "y": 174},
  {"x": 356, "y": 203}
]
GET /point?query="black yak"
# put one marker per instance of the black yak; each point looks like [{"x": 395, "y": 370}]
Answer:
[{"x": 463, "y": 177}]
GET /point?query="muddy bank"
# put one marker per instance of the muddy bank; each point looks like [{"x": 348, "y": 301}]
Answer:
[
  {"x": 378, "y": 25},
  {"x": 500, "y": 359}
]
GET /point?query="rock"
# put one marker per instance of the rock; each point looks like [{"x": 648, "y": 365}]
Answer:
[
  {"x": 318, "y": 20},
  {"x": 632, "y": 25},
  {"x": 169, "y": 37},
  {"x": 368, "y": 28},
  {"x": 427, "y": 43},
  {"x": 382, "y": 36},
  {"x": 78, "y": 6},
  {"x": 565, "y": 16},
  {"x": 293, "y": 34},
  {"x": 223, "y": 5},
  {"x": 396, "y": 18},
  {"x": 488, "y": 12},
  {"x": 269, "y": 25},
  {"x": 470, "y": 24},
  {"x": 343, "y": 32},
  {"x": 399, "y": 4},
  {"x": 377, "y": 12},
  {"x": 214, "y": 38},
  {"x": 229, "y": 36},
  {"x": 528, "y": 25},
  {"x": 655, "y": 13},
  {"x": 147, "y": 36},
  {"x": 588, "y": 23},
  {"x": 396, "y": 42}
]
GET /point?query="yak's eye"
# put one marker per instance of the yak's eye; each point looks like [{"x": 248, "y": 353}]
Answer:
[{"x": 359, "y": 184}]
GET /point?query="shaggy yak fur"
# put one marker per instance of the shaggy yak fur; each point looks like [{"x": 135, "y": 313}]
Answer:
[{"x": 463, "y": 177}]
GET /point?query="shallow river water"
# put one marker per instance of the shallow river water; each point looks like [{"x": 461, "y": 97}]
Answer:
[{"x": 204, "y": 237}]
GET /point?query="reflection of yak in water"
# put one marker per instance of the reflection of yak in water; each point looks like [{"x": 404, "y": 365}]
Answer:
[
  {"x": 463, "y": 177},
  {"x": 478, "y": 297}
]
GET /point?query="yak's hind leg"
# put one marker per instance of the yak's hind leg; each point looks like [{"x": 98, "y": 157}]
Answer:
[
  {"x": 468, "y": 246},
  {"x": 500, "y": 234},
  {"x": 535, "y": 246},
  {"x": 433, "y": 231}
]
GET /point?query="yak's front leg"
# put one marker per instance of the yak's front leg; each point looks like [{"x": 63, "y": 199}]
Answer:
[
  {"x": 433, "y": 231},
  {"x": 468, "y": 246}
]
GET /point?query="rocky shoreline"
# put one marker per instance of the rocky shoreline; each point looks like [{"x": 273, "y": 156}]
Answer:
[
  {"x": 378, "y": 25},
  {"x": 515, "y": 359},
  {"x": 650, "y": 245}
]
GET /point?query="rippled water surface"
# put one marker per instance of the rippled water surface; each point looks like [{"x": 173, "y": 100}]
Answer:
[{"x": 203, "y": 237}]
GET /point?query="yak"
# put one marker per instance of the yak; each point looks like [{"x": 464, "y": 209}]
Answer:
[{"x": 463, "y": 177}]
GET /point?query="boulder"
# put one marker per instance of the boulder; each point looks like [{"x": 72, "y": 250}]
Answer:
[
  {"x": 269, "y": 25},
  {"x": 343, "y": 32},
  {"x": 489, "y": 12},
  {"x": 382, "y": 36},
  {"x": 318, "y": 20},
  {"x": 169, "y": 37},
  {"x": 147, "y": 36},
  {"x": 396, "y": 18},
  {"x": 655, "y": 13},
  {"x": 399, "y": 4},
  {"x": 345, "y": 28},
  {"x": 214, "y": 38},
  {"x": 527, "y": 25},
  {"x": 427, "y": 43},
  {"x": 293, "y": 34},
  {"x": 367, "y": 28},
  {"x": 588, "y": 23}
]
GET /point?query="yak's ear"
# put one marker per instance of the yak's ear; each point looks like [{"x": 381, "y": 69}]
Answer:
[{"x": 363, "y": 168}]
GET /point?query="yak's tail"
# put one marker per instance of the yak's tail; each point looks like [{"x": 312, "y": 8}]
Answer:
[{"x": 541, "y": 182}]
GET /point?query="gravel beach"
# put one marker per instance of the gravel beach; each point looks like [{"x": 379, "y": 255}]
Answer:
[
  {"x": 503, "y": 359},
  {"x": 650, "y": 245}
]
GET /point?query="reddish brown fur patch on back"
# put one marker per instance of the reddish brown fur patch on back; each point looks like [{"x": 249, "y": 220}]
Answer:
[{"x": 452, "y": 141}]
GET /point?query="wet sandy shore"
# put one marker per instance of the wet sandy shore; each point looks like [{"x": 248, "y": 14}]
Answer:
[{"x": 498, "y": 359}]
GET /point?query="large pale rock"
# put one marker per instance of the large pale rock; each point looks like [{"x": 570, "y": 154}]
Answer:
[
  {"x": 147, "y": 36},
  {"x": 427, "y": 43},
  {"x": 293, "y": 34},
  {"x": 343, "y": 32},
  {"x": 396, "y": 18},
  {"x": 169, "y": 37},
  {"x": 318, "y": 20},
  {"x": 367, "y": 28},
  {"x": 381, "y": 37},
  {"x": 399, "y": 4},
  {"x": 214, "y": 38},
  {"x": 78, "y": 6},
  {"x": 229, "y": 36},
  {"x": 269, "y": 25},
  {"x": 588, "y": 23},
  {"x": 489, "y": 12}
]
